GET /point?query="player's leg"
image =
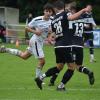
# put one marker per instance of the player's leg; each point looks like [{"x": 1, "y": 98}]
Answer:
[
  {"x": 85, "y": 38},
  {"x": 91, "y": 47},
  {"x": 41, "y": 62},
  {"x": 80, "y": 67},
  {"x": 24, "y": 55},
  {"x": 54, "y": 70},
  {"x": 69, "y": 72},
  {"x": 85, "y": 70},
  {"x": 54, "y": 77},
  {"x": 37, "y": 50},
  {"x": 52, "y": 80},
  {"x": 91, "y": 50},
  {"x": 50, "y": 72},
  {"x": 67, "y": 76}
]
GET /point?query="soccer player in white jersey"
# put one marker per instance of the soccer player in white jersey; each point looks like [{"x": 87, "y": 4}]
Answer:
[
  {"x": 88, "y": 33},
  {"x": 39, "y": 26}
]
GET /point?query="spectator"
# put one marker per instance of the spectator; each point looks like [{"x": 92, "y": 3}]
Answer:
[
  {"x": 2, "y": 34},
  {"x": 28, "y": 34}
]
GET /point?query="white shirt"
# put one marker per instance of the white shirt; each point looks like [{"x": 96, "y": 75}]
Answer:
[{"x": 42, "y": 24}]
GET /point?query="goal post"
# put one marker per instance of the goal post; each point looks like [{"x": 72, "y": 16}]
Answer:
[
  {"x": 9, "y": 18},
  {"x": 15, "y": 32}
]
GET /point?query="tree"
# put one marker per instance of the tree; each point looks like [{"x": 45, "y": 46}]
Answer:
[{"x": 36, "y": 6}]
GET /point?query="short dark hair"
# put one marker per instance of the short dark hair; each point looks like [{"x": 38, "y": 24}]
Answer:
[
  {"x": 59, "y": 4},
  {"x": 49, "y": 6}
]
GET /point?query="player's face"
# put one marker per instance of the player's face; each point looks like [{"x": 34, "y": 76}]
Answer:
[
  {"x": 48, "y": 13},
  {"x": 30, "y": 15},
  {"x": 89, "y": 7}
]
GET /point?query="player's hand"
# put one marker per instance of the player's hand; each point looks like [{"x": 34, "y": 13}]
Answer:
[
  {"x": 49, "y": 30},
  {"x": 38, "y": 31},
  {"x": 87, "y": 9}
]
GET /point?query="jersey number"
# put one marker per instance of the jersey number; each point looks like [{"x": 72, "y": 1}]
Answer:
[
  {"x": 79, "y": 29},
  {"x": 58, "y": 28}
]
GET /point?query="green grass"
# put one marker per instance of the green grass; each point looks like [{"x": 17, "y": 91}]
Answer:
[{"x": 17, "y": 79}]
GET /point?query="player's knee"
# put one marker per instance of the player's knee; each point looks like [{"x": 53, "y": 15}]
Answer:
[
  {"x": 42, "y": 62},
  {"x": 23, "y": 56},
  {"x": 71, "y": 66},
  {"x": 78, "y": 66},
  {"x": 60, "y": 66}
]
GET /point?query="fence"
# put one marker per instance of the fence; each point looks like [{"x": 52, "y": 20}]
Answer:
[{"x": 96, "y": 41}]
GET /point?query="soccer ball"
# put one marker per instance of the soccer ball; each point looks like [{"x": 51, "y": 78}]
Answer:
[{"x": 12, "y": 41}]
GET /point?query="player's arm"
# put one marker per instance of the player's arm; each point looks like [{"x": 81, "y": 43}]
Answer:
[
  {"x": 51, "y": 38},
  {"x": 51, "y": 34},
  {"x": 93, "y": 22},
  {"x": 34, "y": 30},
  {"x": 31, "y": 27},
  {"x": 78, "y": 14}
]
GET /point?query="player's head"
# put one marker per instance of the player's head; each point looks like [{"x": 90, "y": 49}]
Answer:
[
  {"x": 59, "y": 5},
  {"x": 48, "y": 10},
  {"x": 73, "y": 9},
  {"x": 70, "y": 6},
  {"x": 89, "y": 6},
  {"x": 30, "y": 15}
]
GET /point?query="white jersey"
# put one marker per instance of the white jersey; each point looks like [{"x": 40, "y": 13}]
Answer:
[
  {"x": 42, "y": 24},
  {"x": 36, "y": 42}
]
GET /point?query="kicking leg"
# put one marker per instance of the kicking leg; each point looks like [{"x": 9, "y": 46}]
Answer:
[
  {"x": 66, "y": 77},
  {"x": 50, "y": 72},
  {"x": 54, "y": 77},
  {"x": 16, "y": 52},
  {"x": 86, "y": 71}
]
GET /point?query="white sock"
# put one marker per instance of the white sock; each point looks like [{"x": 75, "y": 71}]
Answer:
[
  {"x": 42, "y": 76},
  {"x": 38, "y": 72},
  {"x": 13, "y": 51},
  {"x": 61, "y": 85},
  {"x": 92, "y": 56}
]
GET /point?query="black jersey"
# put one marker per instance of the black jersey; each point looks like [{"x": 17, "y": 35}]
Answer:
[
  {"x": 77, "y": 28},
  {"x": 60, "y": 26},
  {"x": 88, "y": 21}
]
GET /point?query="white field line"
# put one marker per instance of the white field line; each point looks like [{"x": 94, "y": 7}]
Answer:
[{"x": 69, "y": 89}]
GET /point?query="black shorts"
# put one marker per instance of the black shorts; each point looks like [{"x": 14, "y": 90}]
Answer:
[
  {"x": 63, "y": 55},
  {"x": 88, "y": 36},
  {"x": 77, "y": 55}
]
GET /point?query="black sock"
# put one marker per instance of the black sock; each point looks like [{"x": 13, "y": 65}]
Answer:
[
  {"x": 84, "y": 70},
  {"x": 53, "y": 78},
  {"x": 91, "y": 50},
  {"x": 91, "y": 46},
  {"x": 52, "y": 71},
  {"x": 67, "y": 76}
]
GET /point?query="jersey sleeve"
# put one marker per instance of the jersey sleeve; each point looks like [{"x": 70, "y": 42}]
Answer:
[
  {"x": 92, "y": 21},
  {"x": 69, "y": 13},
  {"x": 32, "y": 23}
]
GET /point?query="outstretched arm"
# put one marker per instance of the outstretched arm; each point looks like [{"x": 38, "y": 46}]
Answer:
[{"x": 78, "y": 14}]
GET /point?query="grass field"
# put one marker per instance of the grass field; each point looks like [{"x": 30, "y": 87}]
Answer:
[{"x": 17, "y": 79}]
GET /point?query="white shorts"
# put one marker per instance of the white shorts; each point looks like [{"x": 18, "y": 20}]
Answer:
[{"x": 36, "y": 48}]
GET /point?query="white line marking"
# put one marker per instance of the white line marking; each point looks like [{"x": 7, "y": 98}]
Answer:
[{"x": 51, "y": 89}]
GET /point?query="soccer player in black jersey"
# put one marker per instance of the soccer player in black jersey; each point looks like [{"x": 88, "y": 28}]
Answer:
[
  {"x": 88, "y": 33},
  {"x": 77, "y": 27},
  {"x": 77, "y": 47},
  {"x": 63, "y": 43}
]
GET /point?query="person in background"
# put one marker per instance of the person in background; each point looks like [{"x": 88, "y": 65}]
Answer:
[
  {"x": 88, "y": 33},
  {"x": 28, "y": 35},
  {"x": 2, "y": 33}
]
